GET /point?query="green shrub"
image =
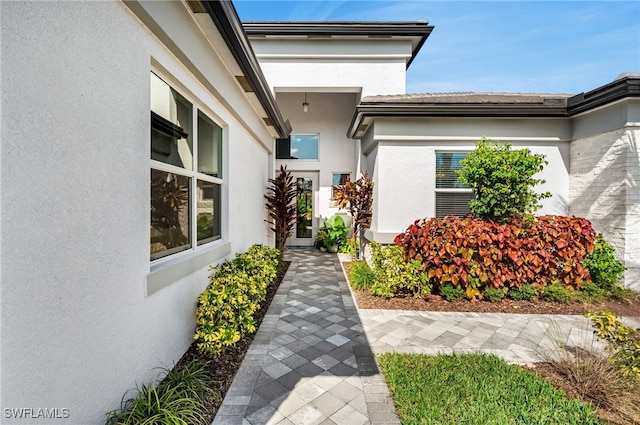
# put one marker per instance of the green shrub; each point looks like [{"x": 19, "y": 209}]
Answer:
[
  {"x": 590, "y": 292},
  {"x": 452, "y": 293},
  {"x": 556, "y": 293},
  {"x": 361, "y": 276},
  {"x": 494, "y": 295},
  {"x": 502, "y": 180},
  {"x": 604, "y": 268},
  {"x": 524, "y": 293},
  {"x": 226, "y": 309},
  {"x": 351, "y": 247},
  {"x": 394, "y": 274},
  {"x": 623, "y": 341},
  {"x": 178, "y": 399}
]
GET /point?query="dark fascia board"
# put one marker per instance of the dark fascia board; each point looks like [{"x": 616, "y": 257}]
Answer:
[
  {"x": 224, "y": 16},
  {"x": 452, "y": 110},
  {"x": 616, "y": 90},
  {"x": 420, "y": 29}
]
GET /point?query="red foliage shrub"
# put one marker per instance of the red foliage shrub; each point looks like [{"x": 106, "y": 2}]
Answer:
[{"x": 475, "y": 253}]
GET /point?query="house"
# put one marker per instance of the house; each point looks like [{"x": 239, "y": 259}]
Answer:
[
  {"x": 137, "y": 140},
  {"x": 108, "y": 108},
  {"x": 350, "y": 76}
]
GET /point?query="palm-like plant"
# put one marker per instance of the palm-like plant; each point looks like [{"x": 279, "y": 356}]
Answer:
[
  {"x": 280, "y": 202},
  {"x": 357, "y": 197}
]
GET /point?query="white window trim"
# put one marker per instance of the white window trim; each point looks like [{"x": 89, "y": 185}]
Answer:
[
  {"x": 167, "y": 270},
  {"x": 446, "y": 190}
]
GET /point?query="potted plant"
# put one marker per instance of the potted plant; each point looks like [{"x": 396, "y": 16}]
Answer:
[
  {"x": 321, "y": 238},
  {"x": 336, "y": 233}
]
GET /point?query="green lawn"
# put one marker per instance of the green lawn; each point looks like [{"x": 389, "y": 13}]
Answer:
[{"x": 475, "y": 389}]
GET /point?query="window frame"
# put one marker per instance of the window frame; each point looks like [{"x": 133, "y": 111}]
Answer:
[
  {"x": 333, "y": 190},
  {"x": 279, "y": 153},
  {"x": 194, "y": 245},
  {"x": 445, "y": 190}
]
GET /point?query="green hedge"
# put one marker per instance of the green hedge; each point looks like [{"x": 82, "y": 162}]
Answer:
[{"x": 226, "y": 309}]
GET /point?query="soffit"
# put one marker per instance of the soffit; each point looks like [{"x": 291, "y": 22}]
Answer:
[{"x": 416, "y": 32}]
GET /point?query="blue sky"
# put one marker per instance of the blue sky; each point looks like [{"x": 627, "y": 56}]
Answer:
[{"x": 494, "y": 46}]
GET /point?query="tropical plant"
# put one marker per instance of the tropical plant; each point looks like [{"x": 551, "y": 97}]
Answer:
[
  {"x": 357, "y": 197},
  {"x": 336, "y": 231},
  {"x": 281, "y": 205},
  {"x": 623, "y": 341},
  {"x": 394, "y": 274},
  {"x": 605, "y": 269},
  {"x": 226, "y": 309},
  {"x": 321, "y": 238},
  {"x": 502, "y": 180},
  {"x": 473, "y": 253}
]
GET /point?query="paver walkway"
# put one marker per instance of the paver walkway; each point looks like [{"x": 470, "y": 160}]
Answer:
[
  {"x": 310, "y": 362},
  {"x": 312, "y": 359}
]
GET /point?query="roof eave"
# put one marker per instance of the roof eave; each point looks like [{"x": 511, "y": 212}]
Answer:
[
  {"x": 226, "y": 20},
  {"x": 616, "y": 90},
  {"x": 420, "y": 29},
  {"x": 451, "y": 110}
]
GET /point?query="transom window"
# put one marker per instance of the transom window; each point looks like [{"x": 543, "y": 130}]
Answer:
[
  {"x": 298, "y": 146},
  {"x": 186, "y": 173},
  {"x": 452, "y": 196}
]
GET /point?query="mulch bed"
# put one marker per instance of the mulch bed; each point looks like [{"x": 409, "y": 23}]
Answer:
[
  {"x": 222, "y": 369},
  {"x": 367, "y": 300}
]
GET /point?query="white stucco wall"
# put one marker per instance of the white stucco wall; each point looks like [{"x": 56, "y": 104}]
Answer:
[
  {"x": 329, "y": 115},
  {"x": 376, "y": 66},
  {"x": 605, "y": 188},
  {"x": 405, "y": 161},
  {"x": 78, "y": 329}
]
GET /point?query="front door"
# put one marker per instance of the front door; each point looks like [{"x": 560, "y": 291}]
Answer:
[{"x": 306, "y": 223}]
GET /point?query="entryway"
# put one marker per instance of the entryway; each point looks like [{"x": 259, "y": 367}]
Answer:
[{"x": 307, "y": 223}]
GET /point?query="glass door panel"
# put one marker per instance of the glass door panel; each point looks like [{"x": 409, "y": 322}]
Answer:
[{"x": 306, "y": 221}]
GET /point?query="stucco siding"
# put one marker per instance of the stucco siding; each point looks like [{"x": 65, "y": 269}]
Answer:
[
  {"x": 367, "y": 66},
  {"x": 328, "y": 116},
  {"x": 406, "y": 162},
  {"x": 78, "y": 328}
]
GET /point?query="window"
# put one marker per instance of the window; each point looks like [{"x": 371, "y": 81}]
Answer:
[
  {"x": 452, "y": 197},
  {"x": 298, "y": 146},
  {"x": 338, "y": 179},
  {"x": 186, "y": 173}
]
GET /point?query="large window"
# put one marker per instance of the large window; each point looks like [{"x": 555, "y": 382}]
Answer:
[
  {"x": 452, "y": 197},
  {"x": 186, "y": 173},
  {"x": 298, "y": 146}
]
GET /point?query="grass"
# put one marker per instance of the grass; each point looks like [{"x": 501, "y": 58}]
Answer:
[{"x": 476, "y": 389}]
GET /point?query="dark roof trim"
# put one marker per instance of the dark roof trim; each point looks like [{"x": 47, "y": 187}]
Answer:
[
  {"x": 452, "y": 110},
  {"x": 225, "y": 17},
  {"x": 616, "y": 90},
  {"x": 395, "y": 106},
  {"x": 420, "y": 29}
]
